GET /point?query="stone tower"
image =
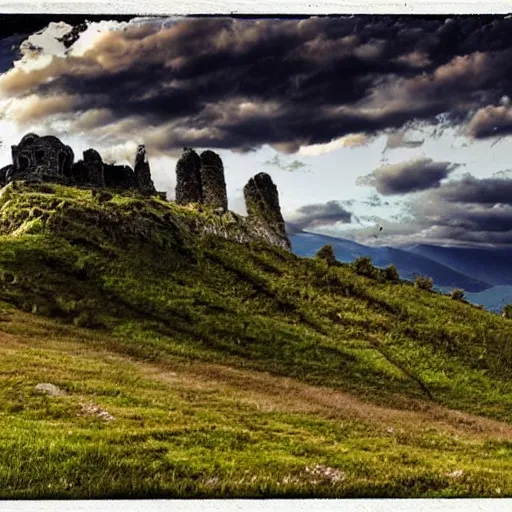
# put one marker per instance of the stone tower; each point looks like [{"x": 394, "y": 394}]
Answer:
[
  {"x": 142, "y": 172},
  {"x": 263, "y": 210},
  {"x": 213, "y": 182},
  {"x": 188, "y": 178}
]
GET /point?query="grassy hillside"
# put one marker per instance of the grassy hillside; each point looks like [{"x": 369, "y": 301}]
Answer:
[{"x": 230, "y": 369}]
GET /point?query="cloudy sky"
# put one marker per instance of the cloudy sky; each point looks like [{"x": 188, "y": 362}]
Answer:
[{"x": 403, "y": 123}]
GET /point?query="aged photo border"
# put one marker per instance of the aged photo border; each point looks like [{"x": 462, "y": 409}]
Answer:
[{"x": 261, "y": 7}]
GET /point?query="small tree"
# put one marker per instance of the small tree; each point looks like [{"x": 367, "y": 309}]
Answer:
[
  {"x": 424, "y": 283},
  {"x": 457, "y": 294},
  {"x": 364, "y": 267},
  {"x": 507, "y": 311},
  {"x": 390, "y": 273},
  {"x": 326, "y": 253}
]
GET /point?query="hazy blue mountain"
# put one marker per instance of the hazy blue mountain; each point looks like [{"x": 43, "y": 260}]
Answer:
[
  {"x": 493, "y": 266},
  {"x": 408, "y": 263},
  {"x": 493, "y": 299}
]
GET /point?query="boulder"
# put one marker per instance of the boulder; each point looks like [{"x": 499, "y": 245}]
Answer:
[{"x": 49, "y": 389}]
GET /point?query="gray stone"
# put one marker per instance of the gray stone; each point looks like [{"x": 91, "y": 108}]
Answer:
[
  {"x": 91, "y": 409},
  {"x": 49, "y": 389}
]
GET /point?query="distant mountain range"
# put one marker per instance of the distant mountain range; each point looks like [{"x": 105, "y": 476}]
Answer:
[
  {"x": 493, "y": 266},
  {"x": 484, "y": 274}
]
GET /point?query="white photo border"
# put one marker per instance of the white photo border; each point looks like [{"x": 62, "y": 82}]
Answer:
[{"x": 263, "y": 7}]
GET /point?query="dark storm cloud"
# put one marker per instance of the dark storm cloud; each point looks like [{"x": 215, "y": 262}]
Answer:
[
  {"x": 476, "y": 222},
  {"x": 491, "y": 121},
  {"x": 467, "y": 210},
  {"x": 322, "y": 214},
  {"x": 481, "y": 191},
  {"x": 238, "y": 84},
  {"x": 406, "y": 177}
]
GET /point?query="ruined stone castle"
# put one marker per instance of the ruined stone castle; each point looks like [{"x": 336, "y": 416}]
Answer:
[
  {"x": 199, "y": 179},
  {"x": 47, "y": 159}
]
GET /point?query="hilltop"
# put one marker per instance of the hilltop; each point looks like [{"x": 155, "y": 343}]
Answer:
[{"x": 191, "y": 364}]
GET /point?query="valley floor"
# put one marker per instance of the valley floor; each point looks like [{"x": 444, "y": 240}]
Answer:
[{"x": 127, "y": 428}]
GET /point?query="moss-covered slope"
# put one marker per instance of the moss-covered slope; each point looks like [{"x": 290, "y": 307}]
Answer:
[{"x": 151, "y": 282}]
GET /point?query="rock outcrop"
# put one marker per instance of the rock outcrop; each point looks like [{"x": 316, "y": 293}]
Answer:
[
  {"x": 213, "y": 182},
  {"x": 142, "y": 172},
  {"x": 188, "y": 178},
  {"x": 263, "y": 210}
]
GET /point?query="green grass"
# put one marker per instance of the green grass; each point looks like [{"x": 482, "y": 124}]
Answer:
[{"x": 232, "y": 369}]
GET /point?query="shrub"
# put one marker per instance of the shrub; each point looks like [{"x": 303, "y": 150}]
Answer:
[
  {"x": 101, "y": 195},
  {"x": 390, "y": 273},
  {"x": 85, "y": 319},
  {"x": 424, "y": 283},
  {"x": 507, "y": 311},
  {"x": 457, "y": 294},
  {"x": 364, "y": 267},
  {"x": 326, "y": 253}
]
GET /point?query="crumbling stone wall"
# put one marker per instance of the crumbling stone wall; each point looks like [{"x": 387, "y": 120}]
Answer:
[
  {"x": 213, "y": 182},
  {"x": 142, "y": 172},
  {"x": 80, "y": 174},
  {"x": 119, "y": 177},
  {"x": 263, "y": 210},
  {"x": 48, "y": 159},
  {"x": 188, "y": 178},
  {"x": 41, "y": 159}
]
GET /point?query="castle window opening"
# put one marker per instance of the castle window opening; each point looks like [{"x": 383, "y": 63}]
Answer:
[
  {"x": 39, "y": 156},
  {"x": 23, "y": 163}
]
